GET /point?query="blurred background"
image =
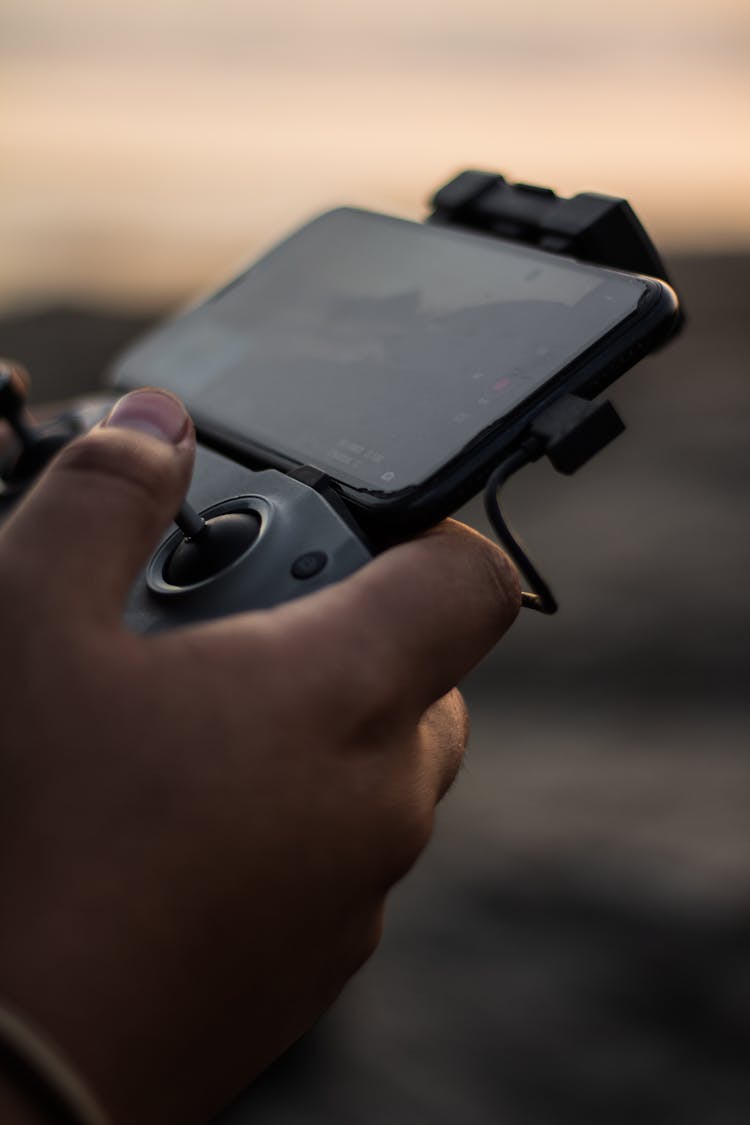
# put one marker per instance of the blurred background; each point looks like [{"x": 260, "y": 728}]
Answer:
[{"x": 576, "y": 945}]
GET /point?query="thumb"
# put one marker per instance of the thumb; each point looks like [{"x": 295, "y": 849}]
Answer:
[{"x": 79, "y": 538}]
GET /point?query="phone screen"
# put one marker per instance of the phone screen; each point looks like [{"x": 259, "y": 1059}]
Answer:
[{"x": 376, "y": 349}]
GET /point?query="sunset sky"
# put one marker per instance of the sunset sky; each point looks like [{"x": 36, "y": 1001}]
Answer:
[{"x": 148, "y": 148}]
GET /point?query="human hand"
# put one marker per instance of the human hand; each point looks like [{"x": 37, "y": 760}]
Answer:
[{"x": 199, "y": 829}]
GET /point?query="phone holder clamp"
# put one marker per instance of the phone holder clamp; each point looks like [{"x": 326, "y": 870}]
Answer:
[{"x": 600, "y": 229}]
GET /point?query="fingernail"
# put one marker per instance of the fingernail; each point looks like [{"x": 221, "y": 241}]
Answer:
[{"x": 151, "y": 412}]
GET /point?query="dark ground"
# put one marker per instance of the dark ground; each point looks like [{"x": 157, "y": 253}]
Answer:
[{"x": 575, "y": 947}]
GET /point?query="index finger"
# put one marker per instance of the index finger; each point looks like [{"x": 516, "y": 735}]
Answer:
[
  {"x": 427, "y": 611},
  {"x": 395, "y": 636}
]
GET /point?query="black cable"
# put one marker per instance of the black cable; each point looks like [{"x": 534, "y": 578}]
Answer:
[{"x": 541, "y": 597}]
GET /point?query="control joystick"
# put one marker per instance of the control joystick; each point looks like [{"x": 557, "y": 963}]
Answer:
[
  {"x": 209, "y": 546},
  {"x": 245, "y": 540}
]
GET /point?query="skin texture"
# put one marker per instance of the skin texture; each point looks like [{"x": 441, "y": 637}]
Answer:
[{"x": 198, "y": 830}]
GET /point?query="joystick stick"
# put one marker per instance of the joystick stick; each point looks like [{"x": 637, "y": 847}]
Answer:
[{"x": 209, "y": 546}]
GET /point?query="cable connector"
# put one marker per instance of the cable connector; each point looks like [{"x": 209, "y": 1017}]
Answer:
[{"x": 572, "y": 430}]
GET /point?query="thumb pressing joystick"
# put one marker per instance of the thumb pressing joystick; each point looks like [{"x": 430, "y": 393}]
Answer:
[{"x": 209, "y": 546}]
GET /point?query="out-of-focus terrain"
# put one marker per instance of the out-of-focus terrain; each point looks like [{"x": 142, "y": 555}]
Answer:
[{"x": 575, "y": 946}]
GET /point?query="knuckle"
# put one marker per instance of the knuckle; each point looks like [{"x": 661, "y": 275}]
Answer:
[
  {"x": 376, "y": 701},
  {"x": 356, "y": 700},
  {"x": 368, "y": 698},
  {"x": 145, "y": 469}
]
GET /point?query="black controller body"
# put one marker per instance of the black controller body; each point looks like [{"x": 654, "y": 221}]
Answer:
[{"x": 302, "y": 533}]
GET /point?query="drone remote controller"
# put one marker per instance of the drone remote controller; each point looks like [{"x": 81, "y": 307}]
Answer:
[{"x": 249, "y": 539}]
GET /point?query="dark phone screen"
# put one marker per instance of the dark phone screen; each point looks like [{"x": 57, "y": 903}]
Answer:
[{"x": 376, "y": 349}]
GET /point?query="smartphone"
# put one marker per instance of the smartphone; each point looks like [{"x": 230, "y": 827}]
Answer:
[{"x": 401, "y": 359}]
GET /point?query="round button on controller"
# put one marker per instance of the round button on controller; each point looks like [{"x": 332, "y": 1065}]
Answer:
[{"x": 309, "y": 564}]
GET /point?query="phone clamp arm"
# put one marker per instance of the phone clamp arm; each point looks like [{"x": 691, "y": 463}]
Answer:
[{"x": 601, "y": 229}]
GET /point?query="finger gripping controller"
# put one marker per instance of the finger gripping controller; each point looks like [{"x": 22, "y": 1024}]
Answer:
[{"x": 267, "y": 539}]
